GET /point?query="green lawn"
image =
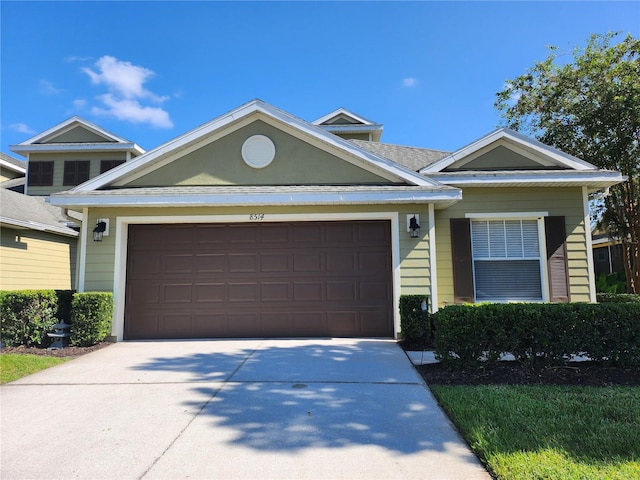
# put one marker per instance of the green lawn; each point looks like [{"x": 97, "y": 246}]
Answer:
[
  {"x": 15, "y": 366},
  {"x": 543, "y": 432}
]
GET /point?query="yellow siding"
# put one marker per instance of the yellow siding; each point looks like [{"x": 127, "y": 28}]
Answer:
[
  {"x": 556, "y": 201},
  {"x": 31, "y": 259},
  {"x": 413, "y": 257}
]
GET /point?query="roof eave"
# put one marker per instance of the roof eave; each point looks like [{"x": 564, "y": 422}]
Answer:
[
  {"x": 442, "y": 198},
  {"x": 24, "y": 149}
]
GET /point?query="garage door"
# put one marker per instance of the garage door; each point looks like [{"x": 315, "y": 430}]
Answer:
[{"x": 259, "y": 280}]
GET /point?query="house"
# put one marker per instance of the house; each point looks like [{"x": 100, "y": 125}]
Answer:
[
  {"x": 37, "y": 245},
  {"x": 260, "y": 224},
  {"x": 12, "y": 173}
]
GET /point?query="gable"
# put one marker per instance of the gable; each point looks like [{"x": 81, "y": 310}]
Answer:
[
  {"x": 220, "y": 162},
  {"x": 500, "y": 158},
  {"x": 77, "y": 134}
]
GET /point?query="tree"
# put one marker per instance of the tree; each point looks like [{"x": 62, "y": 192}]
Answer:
[{"x": 590, "y": 108}]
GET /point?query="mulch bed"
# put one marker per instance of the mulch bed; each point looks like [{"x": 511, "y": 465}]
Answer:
[
  {"x": 497, "y": 373},
  {"x": 61, "y": 352},
  {"x": 515, "y": 373}
]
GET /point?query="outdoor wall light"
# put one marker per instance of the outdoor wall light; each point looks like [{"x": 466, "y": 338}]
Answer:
[
  {"x": 414, "y": 227},
  {"x": 98, "y": 232}
]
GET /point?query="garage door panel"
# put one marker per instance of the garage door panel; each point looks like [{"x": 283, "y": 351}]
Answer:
[
  {"x": 176, "y": 293},
  {"x": 210, "y": 293},
  {"x": 243, "y": 292},
  {"x": 210, "y": 263},
  {"x": 259, "y": 280}
]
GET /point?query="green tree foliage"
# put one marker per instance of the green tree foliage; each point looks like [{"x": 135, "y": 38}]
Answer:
[{"x": 589, "y": 107}]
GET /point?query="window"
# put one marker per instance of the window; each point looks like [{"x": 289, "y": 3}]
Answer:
[
  {"x": 40, "y": 174},
  {"x": 506, "y": 260},
  {"x": 76, "y": 172},
  {"x": 106, "y": 165}
]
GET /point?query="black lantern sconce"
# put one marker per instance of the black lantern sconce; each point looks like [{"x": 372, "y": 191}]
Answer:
[
  {"x": 98, "y": 232},
  {"x": 414, "y": 227}
]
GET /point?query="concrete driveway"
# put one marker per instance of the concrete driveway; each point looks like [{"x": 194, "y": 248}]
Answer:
[{"x": 231, "y": 409}]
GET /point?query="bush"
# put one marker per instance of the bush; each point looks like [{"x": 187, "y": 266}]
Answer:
[
  {"x": 611, "y": 283},
  {"x": 617, "y": 298},
  {"x": 538, "y": 333},
  {"x": 91, "y": 315},
  {"x": 415, "y": 324},
  {"x": 27, "y": 316}
]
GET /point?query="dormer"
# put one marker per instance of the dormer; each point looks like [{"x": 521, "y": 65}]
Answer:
[
  {"x": 71, "y": 153},
  {"x": 348, "y": 125}
]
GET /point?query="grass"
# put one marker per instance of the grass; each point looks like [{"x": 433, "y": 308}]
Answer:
[
  {"x": 546, "y": 432},
  {"x": 15, "y": 366}
]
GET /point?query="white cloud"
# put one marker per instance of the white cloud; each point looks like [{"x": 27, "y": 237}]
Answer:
[
  {"x": 22, "y": 128},
  {"x": 409, "y": 82},
  {"x": 49, "y": 88},
  {"x": 79, "y": 103},
  {"x": 127, "y": 93},
  {"x": 132, "y": 111}
]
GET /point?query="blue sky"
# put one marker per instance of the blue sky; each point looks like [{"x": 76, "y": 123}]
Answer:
[{"x": 151, "y": 71}]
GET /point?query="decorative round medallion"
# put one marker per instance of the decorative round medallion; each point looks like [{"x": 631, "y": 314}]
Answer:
[{"x": 258, "y": 151}]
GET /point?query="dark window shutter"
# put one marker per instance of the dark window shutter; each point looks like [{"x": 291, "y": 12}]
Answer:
[
  {"x": 40, "y": 174},
  {"x": 106, "y": 165},
  {"x": 462, "y": 261},
  {"x": 556, "y": 240}
]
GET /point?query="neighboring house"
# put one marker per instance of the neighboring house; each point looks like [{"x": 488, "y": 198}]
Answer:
[
  {"x": 607, "y": 254},
  {"x": 12, "y": 173},
  {"x": 260, "y": 224},
  {"x": 37, "y": 248},
  {"x": 71, "y": 153}
]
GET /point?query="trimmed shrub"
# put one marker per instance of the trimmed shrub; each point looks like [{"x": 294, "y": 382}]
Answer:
[
  {"x": 618, "y": 298},
  {"x": 91, "y": 315},
  {"x": 415, "y": 324},
  {"x": 27, "y": 316},
  {"x": 541, "y": 334}
]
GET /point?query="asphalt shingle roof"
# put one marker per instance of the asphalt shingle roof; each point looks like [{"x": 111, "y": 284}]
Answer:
[
  {"x": 32, "y": 212},
  {"x": 413, "y": 158}
]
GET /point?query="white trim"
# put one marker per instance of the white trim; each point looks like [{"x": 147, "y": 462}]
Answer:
[
  {"x": 433, "y": 269},
  {"x": 536, "y": 147},
  {"x": 214, "y": 127},
  {"x": 247, "y": 198},
  {"x": 597, "y": 178},
  {"x": 83, "y": 250},
  {"x": 122, "y": 231},
  {"x": 71, "y": 147},
  {"x": 588, "y": 239},
  {"x": 10, "y": 166},
  {"x": 503, "y": 215},
  {"x": 41, "y": 227},
  {"x": 69, "y": 124},
  {"x": 342, "y": 111}
]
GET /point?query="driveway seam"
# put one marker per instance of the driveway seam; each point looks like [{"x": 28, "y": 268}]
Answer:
[{"x": 197, "y": 414}]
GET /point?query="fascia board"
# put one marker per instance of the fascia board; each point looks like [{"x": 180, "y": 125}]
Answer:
[
  {"x": 594, "y": 179},
  {"x": 238, "y": 114},
  {"x": 345, "y": 112},
  {"x": 67, "y": 124},
  {"x": 355, "y": 128},
  {"x": 38, "y": 226},
  {"x": 74, "y": 147},
  {"x": 12, "y": 167},
  {"x": 536, "y": 146},
  {"x": 265, "y": 199}
]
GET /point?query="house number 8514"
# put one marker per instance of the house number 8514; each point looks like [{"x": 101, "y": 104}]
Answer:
[{"x": 256, "y": 216}]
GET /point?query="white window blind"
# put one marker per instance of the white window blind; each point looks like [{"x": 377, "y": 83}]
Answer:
[{"x": 506, "y": 260}]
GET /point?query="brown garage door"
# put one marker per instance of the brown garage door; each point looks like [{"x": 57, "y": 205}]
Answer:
[{"x": 259, "y": 280}]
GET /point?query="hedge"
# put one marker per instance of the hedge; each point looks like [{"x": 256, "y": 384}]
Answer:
[
  {"x": 415, "y": 324},
  {"x": 618, "y": 298},
  {"x": 543, "y": 334},
  {"x": 91, "y": 315},
  {"x": 27, "y": 316}
]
